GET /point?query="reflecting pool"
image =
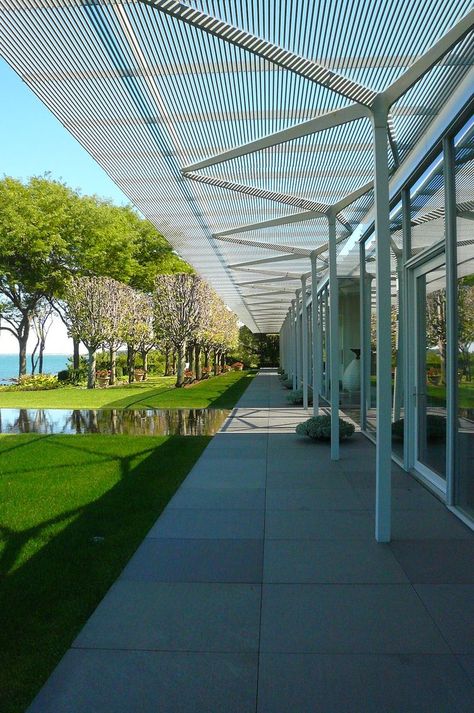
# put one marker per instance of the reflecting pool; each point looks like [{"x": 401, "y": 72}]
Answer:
[{"x": 133, "y": 422}]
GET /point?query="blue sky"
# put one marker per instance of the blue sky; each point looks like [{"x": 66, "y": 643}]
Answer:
[{"x": 32, "y": 141}]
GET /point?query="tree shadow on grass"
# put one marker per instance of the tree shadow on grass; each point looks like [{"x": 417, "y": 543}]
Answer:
[
  {"x": 46, "y": 600},
  {"x": 216, "y": 392}
]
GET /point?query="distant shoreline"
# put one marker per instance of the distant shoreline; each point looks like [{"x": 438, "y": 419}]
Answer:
[{"x": 52, "y": 363}]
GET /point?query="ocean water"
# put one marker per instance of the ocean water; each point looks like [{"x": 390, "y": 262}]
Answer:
[{"x": 51, "y": 365}]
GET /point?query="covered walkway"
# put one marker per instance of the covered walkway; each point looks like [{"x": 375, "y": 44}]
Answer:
[{"x": 260, "y": 588}]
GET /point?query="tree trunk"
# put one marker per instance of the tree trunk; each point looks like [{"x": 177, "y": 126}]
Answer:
[
  {"x": 167, "y": 361},
  {"x": 180, "y": 365},
  {"x": 33, "y": 359},
  {"x": 173, "y": 364},
  {"x": 145, "y": 363},
  {"x": 191, "y": 358},
  {"x": 91, "y": 369},
  {"x": 222, "y": 361},
  {"x": 113, "y": 365},
  {"x": 216, "y": 361},
  {"x": 131, "y": 363},
  {"x": 41, "y": 356},
  {"x": 75, "y": 353},
  {"x": 206, "y": 358},
  {"x": 197, "y": 359},
  {"x": 22, "y": 342}
]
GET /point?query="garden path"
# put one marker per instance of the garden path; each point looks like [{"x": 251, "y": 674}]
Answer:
[{"x": 261, "y": 589}]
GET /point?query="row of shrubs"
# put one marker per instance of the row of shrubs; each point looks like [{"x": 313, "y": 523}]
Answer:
[{"x": 34, "y": 382}]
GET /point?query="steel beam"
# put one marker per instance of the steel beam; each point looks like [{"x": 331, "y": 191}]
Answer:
[
  {"x": 384, "y": 353},
  {"x": 423, "y": 65},
  {"x": 274, "y": 196},
  {"x": 265, "y": 261},
  {"x": 272, "y": 223},
  {"x": 291, "y": 250},
  {"x": 323, "y": 122}
]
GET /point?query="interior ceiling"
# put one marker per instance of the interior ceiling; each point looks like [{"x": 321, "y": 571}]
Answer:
[{"x": 152, "y": 87}]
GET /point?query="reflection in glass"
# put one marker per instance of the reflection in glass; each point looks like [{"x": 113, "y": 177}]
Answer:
[
  {"x": 431, "y": 389},
  {"x": 133, "y": 422},
  {"x": 464, "y": 170}
]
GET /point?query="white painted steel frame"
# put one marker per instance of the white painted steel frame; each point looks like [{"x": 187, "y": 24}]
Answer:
[{"x": 130, "y": 25}]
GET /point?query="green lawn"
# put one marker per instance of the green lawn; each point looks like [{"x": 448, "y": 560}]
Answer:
[
  {"x": 73, "y": 509},
  {"x": 57, "y": 494},
  {"x": 437, "y": 395},
  {"x": 218, "y": 392}
]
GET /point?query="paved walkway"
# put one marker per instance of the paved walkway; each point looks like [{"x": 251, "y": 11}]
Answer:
[{"x": 260, "y": 588}]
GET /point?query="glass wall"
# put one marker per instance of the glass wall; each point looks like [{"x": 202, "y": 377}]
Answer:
[
  {"x": 430, "y": 341},
  {"x": 464, "y": 172}
]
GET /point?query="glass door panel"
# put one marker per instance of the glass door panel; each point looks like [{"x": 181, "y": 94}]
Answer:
[{"x": 431, "y": 369}]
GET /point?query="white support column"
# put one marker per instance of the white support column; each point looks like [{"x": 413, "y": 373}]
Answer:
[
  {"x": 282, "y": 344},
  {"x": 400, "y": 343},
  {"x": 304, "y": 340},
  {"x": 364, "y": 329},
  {"x": 315, "y": 334},
  {"x": 299, "y": 355},
  {"x": 334, "y": 356},
  {"x": 452, "y": 450},
  {"x": 294, "y": 349},
  {"x": 383, "y": 492},
  {"x": 408, "y": 333}
]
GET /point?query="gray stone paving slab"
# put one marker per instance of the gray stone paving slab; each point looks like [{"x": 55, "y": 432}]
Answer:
[
  {"x": 219, "y": 498},
  {"x": 188, "y": 560},
  {"x": 341, "y": 618},
  {"x": 305, "y": 683},
  {"x": 232, "y": 466},
  {"x": 328, "y": 478},
  {"x": 337, "y": 632},
  {"x": 313, "y": 499},
  {"x": 176, "y": 616},
  {"x": 408, "y": 525},
  {"x": 324, "y": 525},
  {"x": 220, "y": 524},
  {"x": 467, "y": 662},
  {"x": 417, "y": 498},
  {"x": 234, "y": 445},
  {"x": 88, "y": 681},
  {"x": 242, "y": 476},
  {"x": 452, "y": 608},
  {"x": 436, "y": 561},
  {"x": 305, "y": 467},
  {"x": 330, "y": 562},
  {"x": 365, "y": 477}
]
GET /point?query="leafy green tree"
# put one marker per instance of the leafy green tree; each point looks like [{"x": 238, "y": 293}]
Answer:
[{"x": 36, "y": 224}]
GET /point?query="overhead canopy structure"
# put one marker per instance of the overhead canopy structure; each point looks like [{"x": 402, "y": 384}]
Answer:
[{"x": 237, "y": 126}]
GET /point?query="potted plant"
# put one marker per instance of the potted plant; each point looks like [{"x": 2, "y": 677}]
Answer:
[{"x": 102, "y": 376}]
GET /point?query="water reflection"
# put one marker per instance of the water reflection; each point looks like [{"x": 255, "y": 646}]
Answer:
[{"x": 133, "y": 422}]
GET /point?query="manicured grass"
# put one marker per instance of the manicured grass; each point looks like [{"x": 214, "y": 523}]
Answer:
[
  {"x": 437, "y": 395},
  {"x": 218, "y": 392},
  {"x": 57, "y": 494}
]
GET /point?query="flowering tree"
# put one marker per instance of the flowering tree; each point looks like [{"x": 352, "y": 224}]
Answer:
[
  {"x": 117, "y": 302},
  {"x": 88, "y": 304},
  {"x": 137, "y": 327},
  {"x": 180, "y": 306}
]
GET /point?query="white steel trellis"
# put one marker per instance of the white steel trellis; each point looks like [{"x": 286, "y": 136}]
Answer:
[{"x": 289, "y": 115}]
